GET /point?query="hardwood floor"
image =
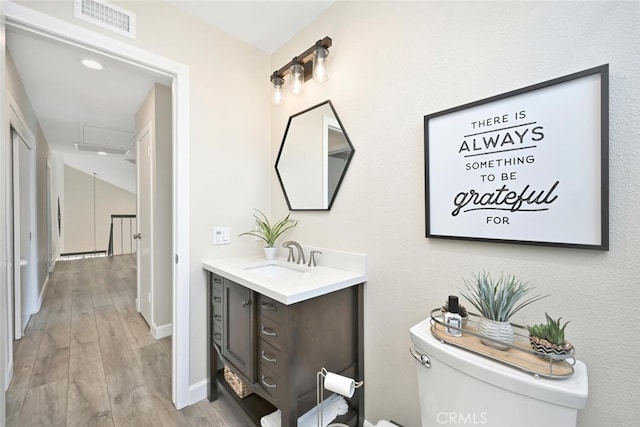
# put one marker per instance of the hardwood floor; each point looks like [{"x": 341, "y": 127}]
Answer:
[{"x": 88, "y": 358}]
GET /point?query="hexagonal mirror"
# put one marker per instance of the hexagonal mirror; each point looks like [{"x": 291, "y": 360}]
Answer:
[{"x": 313, "y": 158}]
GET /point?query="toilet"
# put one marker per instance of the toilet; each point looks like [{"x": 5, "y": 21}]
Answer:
[{"x": 458, "y": 387}]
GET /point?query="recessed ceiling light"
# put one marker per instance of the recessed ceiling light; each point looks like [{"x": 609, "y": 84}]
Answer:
[
  {"x": 90, "y": 63},
  {"x": 102, "y": 153}
]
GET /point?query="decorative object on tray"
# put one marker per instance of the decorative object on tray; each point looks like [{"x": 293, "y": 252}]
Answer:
[
  {"x": 462, "y": 311},
  {"x": 270, "y": 232},
  {"x": 497, "y": 300},
  {"x": 520, "y": 354},
  {"x": 547, "y": 339},
  {"x": 237, "y": 384}
]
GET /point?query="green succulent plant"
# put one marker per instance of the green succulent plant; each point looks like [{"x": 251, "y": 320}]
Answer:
[
  {"x": 498, "y": 299},
  {"x": 270, "y": 232},
  {"x": 551, "y": 331}
]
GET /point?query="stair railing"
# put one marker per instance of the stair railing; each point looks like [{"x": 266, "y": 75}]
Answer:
[{"x": 125, "y": 230}]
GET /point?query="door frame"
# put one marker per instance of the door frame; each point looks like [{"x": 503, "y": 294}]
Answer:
[
  {"x": 6, "y": 351},
  {"x": 19, "y": 125},
  {"x": 49, "y": 220},
  {"x": 26, "y": 19}
]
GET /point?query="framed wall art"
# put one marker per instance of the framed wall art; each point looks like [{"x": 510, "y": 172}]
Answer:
[{"x": 528, "y": 166}]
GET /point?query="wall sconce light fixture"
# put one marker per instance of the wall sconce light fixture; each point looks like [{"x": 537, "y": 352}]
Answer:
[{"x": 310, "y": 63}]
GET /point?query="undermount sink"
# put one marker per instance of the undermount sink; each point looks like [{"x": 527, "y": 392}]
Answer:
[{"x": 276, "y": 270}]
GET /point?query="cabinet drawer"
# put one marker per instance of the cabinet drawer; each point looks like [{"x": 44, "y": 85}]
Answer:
[
  {"x": 216, "y": 312},
  {"x": 272, "y": 309},
  {"x": 271, "y": 384},
  {"x": 216, "y": 282},
  {"x": 271, "y": 357},
  {"x": 270, "y": 331},
  {"x": 216, "y": 297},
  {"x": 217, "y": 318},
  {"x": 217, "y": 335}
]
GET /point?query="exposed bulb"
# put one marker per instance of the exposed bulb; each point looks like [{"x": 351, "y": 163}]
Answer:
[
  {"x": 320, "y": 65},
  {"x": 297, "y": 78},
  {"x": 277, "y": 94}
]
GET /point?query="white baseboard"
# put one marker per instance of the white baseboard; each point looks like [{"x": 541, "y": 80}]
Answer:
[
  {"x": 52, "y": 266},
  {"x": 163, "y": 331},
  {"x": 42, "y": 293},
  {"x": 9, "y": 374},
  {"x": 198, "y": 391}
]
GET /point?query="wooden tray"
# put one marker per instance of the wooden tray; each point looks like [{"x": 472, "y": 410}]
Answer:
[{"x": 519, "y": 354}]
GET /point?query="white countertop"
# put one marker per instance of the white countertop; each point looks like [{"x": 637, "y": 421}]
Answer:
[{"x": 289, "y": 288}]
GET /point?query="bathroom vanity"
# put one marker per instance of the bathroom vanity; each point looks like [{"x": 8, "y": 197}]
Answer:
[{"x": 275, "y": 325}]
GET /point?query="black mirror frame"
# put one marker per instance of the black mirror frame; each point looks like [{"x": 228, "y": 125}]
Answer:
[{"x": 346, "y": 165}]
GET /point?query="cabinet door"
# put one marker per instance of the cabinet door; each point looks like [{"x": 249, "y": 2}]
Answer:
[{"x": 239, "y": 328}]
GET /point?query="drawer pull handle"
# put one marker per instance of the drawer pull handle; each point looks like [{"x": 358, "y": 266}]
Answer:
[
  {"x": 217, "y": 299},
  {"x": 264, "y": 381},
  {"x": 246, "y": 302},
  {"x": 269, "y": 332},
  {"x": 217, "y": 317},
  {"x": 269, "y": 307},
  {"x": 268, "y": 359}
]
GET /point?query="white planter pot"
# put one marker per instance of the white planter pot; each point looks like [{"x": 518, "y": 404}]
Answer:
[
  {"x": 270, "y": 252},
  {"x": 500, "y": 331}
]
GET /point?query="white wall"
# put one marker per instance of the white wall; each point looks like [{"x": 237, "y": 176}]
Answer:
[
  {"x": 88, "y": 205},
  {"x": 32, "y": 297},
  {"x": 114, "y": 170},
  {"x": 394, "y": 62}
]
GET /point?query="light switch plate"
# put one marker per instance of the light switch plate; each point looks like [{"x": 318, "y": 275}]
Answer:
[{"x": 221, "y": 235}]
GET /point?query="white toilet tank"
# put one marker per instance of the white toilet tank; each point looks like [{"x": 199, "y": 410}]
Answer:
[{"x": 461, "y": 388}]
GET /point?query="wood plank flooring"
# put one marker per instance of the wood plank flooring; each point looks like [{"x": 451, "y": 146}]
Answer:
[{"x": 88, "y": 358}]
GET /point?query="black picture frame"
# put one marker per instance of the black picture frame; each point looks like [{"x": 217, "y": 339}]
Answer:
[{"x": 529, "y": 166}]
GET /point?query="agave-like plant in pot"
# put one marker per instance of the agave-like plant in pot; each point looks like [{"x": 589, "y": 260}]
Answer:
[
  {"x": 497, "y": 301},
  {"x": 547, "y": 339},
  {"x": 270, "y": 232}
]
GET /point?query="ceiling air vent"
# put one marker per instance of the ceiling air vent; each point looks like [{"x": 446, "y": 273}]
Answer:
[
  {"x": 106, "y": 15},
  {"x": 101, "y": 149}
]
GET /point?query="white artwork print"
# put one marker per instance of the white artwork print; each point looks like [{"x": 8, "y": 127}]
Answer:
[{"x": 525, "y": 168}]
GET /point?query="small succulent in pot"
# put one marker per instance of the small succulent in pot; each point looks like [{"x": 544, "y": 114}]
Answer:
[{"x": 548, "y": 339}]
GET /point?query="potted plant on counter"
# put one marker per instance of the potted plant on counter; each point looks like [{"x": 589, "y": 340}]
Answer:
[
  {"x": 547, "y": 339},
  {"x": 270, "y": 232},
  {"x": 497, "y": 300}
]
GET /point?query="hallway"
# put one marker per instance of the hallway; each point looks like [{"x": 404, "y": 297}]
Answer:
[{"x": 87, "y": 358}]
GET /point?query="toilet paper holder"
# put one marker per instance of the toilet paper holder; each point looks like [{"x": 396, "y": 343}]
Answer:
[{"x": 338, "y": 384}]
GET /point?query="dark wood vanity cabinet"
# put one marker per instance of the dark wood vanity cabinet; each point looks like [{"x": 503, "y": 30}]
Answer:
[
  {"x": 278, "y": 349},
  {"x": 238, "y": 336}
]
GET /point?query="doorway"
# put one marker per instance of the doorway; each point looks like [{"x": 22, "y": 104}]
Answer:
[
  {"x": 27, "y": 20},
  {"x": 23, "y": 292}
]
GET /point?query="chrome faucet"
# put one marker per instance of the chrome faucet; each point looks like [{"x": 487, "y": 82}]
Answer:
[
  {"x": 301, "y": 260},
  {"x": 312, "y": 259}
]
